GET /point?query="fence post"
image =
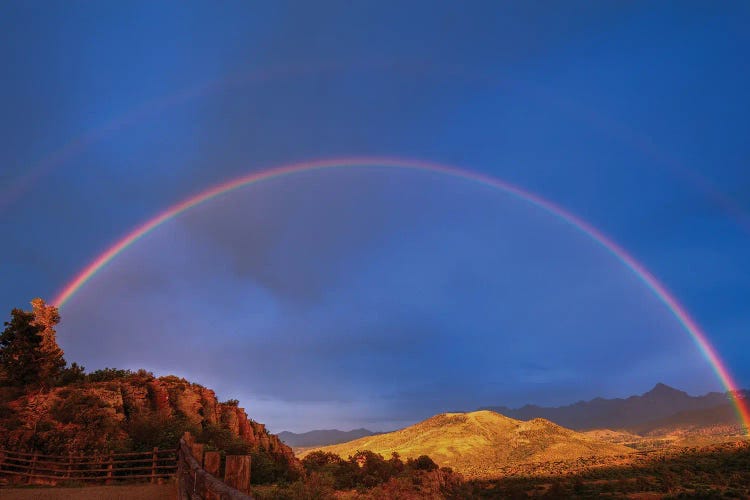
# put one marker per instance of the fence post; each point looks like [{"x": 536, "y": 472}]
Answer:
[
  {"x": 211, "y": 464},
  {"x": 196, "y": 449},
  {"x": 181, "y": 491},
  {"x": 110, "y": 469},
  {"x": 237, "y": 472},
  {"x": 154, "y": 457},
  {"x": 69, "y": 468},
  {"x": 188, "y": 438},
  {"x": 32, "y": 468}
]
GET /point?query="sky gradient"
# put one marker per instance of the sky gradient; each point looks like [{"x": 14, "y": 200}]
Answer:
[{"x": 376, "y": 298}]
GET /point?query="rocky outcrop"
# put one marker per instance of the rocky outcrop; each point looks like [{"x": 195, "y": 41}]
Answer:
[
  {"x": 236, "y": 420},
  {"x": 101, "y": 416}
]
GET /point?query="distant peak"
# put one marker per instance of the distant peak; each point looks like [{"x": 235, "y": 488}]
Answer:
[
  {"x": 660, "y": 386},
  {"x": 661, "y": 389}
]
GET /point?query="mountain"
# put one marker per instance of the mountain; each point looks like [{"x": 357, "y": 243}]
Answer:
[
  {"x": 479, "y": 443},
  {"x": 631, "y": 413},
  {"x": 720, "y": 419},
  {"x": 322, "y": 437}
]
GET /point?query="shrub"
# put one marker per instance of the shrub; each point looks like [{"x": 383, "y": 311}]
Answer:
[
  {"x": 108, "y": 375},
  {"x": 149, "y": 431},
  {"x": 267, "y": 469},
  {"x": 73, "y": 374},
  {"x": 423, "y": 462}
]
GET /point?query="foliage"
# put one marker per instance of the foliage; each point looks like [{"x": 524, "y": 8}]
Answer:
[
  {"x": 313, "y": 487},
  {"x": 231, "y": 402},
  {"x": 72, "y": 374},
  {"x": 29, "y": 354},
  {"x": 108, "y": 375},
  {"x": 343, "y": 473},
  {"x": 717, "y": 471},
  {"x": 64, "y": 420},
  {"x": 266, "y": 468},
  {"x": 423, "y": 462},
  {"x": 152, "y": 430},
  {"x": 365, "y": 469}
]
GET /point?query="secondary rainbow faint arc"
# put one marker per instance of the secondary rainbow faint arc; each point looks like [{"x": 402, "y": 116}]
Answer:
[{"x": 698, "y": 336}]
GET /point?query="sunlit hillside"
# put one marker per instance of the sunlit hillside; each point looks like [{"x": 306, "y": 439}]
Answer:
[{"x": 478, "y": 443}]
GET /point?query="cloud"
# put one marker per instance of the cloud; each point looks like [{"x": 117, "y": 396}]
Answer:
[{"x": 295, "y": 236}]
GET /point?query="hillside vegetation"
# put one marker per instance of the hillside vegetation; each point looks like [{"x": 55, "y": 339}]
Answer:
[
  {"x": 715, "y": 471},
  {"x": 476, "y": 444}
]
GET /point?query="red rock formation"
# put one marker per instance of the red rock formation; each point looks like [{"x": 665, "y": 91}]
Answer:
[{"x": 97, "y": 416}]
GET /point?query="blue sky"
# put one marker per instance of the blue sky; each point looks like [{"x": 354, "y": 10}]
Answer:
[{"x": 377, "y": 297}]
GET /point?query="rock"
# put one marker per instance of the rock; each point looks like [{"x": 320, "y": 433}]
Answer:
[{"x": 97, "y": 416}]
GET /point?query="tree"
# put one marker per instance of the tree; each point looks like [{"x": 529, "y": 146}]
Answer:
[{"x": 29, "y": 354}]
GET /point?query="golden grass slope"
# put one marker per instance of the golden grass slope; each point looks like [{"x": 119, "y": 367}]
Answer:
[{"x": 481, "y": 442}]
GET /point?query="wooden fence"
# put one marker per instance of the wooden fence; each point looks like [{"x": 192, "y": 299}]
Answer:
[
  {"x": 53, "y": 469},
  {"x": 198, "y": 470}
]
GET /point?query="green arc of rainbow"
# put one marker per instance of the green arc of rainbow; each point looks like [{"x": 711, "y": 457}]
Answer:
[{"x": 656, "y": 287}]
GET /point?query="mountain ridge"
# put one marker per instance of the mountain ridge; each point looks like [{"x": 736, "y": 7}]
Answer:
[
  {"x": 631, "y": 413},
  {"x": 322, "y": 437},
  {"x": 674, "y": 408}
]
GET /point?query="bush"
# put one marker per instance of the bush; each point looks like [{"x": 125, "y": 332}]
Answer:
[
  {"x": 266, "y": 469},
  {"x": 319, "y": 459},
  {"x": 73, "y": 374},
  {"x": 422, "y": 462},
  {"x": 149, "y": 431},
  {"x": 108, "y": 375}
]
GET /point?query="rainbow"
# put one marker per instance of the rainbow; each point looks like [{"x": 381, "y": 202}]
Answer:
[{"x": 658, "y": 289}]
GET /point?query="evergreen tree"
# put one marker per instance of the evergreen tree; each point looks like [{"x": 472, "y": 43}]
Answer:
[{"x": 29, "y": 354}]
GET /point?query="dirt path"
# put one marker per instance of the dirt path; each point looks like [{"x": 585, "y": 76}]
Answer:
[{"x": 129, "y": 492}]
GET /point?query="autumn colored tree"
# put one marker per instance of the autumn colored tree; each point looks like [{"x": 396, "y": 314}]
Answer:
[{"x": 29, "y": 354}]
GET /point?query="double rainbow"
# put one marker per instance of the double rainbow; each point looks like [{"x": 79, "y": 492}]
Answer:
[{"x": 659, "y": 290}]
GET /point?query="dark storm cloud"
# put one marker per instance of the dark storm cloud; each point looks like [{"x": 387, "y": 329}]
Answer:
[{"x": 295, "y": 236}]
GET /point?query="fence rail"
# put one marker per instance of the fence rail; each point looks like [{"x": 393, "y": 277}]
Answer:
[
  {"x": 52, "y": 469},
  {"x": 196, "y": 471}
]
